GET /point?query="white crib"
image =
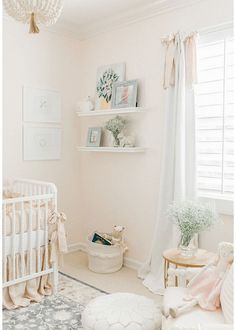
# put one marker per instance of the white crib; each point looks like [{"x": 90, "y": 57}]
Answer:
[{"x": 20, "y": 239}]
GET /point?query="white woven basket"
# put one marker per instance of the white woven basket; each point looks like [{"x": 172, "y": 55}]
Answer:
[{"x": 104, "y": 258}]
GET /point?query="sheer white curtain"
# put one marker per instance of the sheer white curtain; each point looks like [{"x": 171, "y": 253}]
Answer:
[{"x": 178, "y": 159}]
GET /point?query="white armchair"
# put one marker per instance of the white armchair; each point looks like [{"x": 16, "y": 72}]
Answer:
[{"x": 197, "y": 318}]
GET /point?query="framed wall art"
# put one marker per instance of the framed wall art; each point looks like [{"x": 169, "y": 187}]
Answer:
[
  {"x": 41, "y": 105},
  {"x": 41, "y": 143},
  {"x": 106, "y": 76}
]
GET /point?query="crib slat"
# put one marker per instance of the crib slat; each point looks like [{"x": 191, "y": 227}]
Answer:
[
  {"x": 46, "y": 234},
  {"x": 13, "y": 240},
  {"x": 30, "y": 237},
  {"x": 4, "y": 244},
  {"x": 38, "y": 237},
  {"x": 22, "y": 228}
]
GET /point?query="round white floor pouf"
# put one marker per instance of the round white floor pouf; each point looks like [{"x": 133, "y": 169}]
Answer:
[{"x": 121, "y": 311}]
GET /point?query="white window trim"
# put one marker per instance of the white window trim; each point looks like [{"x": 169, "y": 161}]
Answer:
[{"x": 223, "y": 205}]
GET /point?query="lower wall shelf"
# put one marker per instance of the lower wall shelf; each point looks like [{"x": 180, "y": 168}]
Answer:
[{"x": 112, "y": 149}]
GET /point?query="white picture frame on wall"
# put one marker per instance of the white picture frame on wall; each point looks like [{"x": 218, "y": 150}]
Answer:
[
  {"x": 41, "y": 105},
  {"x": 42, "y": 143}
]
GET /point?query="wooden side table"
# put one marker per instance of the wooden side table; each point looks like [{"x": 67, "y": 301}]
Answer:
[{"x": 173, "y": 256}]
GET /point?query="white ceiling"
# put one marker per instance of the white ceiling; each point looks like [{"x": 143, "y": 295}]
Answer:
[
  {"x": 86, "y": 18},
  {"x": 85, "y": 12}
]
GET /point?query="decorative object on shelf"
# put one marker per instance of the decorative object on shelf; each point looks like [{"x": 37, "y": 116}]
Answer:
[
  {"x": 124, "y": 94},
  {"x": 94, "y": 136},
  {"x": 126, "y": 141},
  {"x": 106, "y": 76},
  {"x": 41, "y": 143},
  {"x": 34, "y": 12},
  {"x": 191, "y": 218},
  {"x": 41, "y": 105},
  {"x": 116, "y": 126},
  {"x": 85, "y": 106}
]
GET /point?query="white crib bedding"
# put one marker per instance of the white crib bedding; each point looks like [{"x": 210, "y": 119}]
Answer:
[
  {"x": 22, "y": 219},
  {"x": 33, "y": 221}
]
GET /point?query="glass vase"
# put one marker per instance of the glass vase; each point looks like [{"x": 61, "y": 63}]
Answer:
[
  {"x": 188, "y": 247},
  {"x": 116, "y": 141}
]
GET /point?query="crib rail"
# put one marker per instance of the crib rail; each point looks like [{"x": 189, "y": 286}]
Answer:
[
  {"x": 25, "y": 232},
  {"x": 34, "y": 187}
]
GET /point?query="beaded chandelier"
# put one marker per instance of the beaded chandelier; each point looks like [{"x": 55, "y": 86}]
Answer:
[{"x": 34, "y": 12}]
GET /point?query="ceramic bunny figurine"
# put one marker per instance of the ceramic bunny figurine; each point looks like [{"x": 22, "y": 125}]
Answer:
[
  {"x": 204, "y": 289},
  {"x": 126, "y": 141}
]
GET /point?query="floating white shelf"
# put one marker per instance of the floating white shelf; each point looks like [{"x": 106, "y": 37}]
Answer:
[
  {"x": 110, "y": 112},
  {"x": 112, "y": 149}
]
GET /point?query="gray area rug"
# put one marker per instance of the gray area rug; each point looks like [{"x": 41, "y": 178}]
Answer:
[{"x": 58, "y": 312}]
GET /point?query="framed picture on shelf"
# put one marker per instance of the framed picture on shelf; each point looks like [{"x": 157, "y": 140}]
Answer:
[
  {"x": 94, "y": 136},
  {"x": 124, "y": 94},
  {"x": 106, "y": 76}
]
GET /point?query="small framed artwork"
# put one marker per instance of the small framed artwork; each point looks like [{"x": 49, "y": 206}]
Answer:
[
  {"x": 41, "y": 143},
  {"x": 106, "y": 76},
  {"x": 94, "y": 136},
  {"x": 124, "y": 94},
  {"x": 41, "y": 105}
]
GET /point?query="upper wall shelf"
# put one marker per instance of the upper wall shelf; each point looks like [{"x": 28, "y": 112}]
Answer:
[{"x": 110, "y": 112}]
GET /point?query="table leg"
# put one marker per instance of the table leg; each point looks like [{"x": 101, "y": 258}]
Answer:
[
  {"x": 166, "y": 267},
  {"x": 176, "y": 277},
  {"x": 165, "y": 273}
]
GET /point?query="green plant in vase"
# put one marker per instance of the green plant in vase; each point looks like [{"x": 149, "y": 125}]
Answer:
[
  {"x": 116, "y": 126},
  {"x": 191, "y": 218}
]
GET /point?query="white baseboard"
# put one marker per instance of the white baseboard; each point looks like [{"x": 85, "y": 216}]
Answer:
[
  {"x": 128, "y": 262},
  {"x": 77, "y": 247},
  {"x": 132, "y": 263}
]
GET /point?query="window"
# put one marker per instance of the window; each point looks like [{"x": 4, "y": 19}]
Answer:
[{"x": 214, "y": 98}]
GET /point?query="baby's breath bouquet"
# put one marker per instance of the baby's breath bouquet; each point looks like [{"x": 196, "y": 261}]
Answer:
[
  {"x": 115, "y": 126},
  {"x": 192, "y": 218}
]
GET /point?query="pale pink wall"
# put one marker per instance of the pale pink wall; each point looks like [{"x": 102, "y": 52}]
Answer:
[
  {"x": 100, "y": 190},
  {"x": 123, "y": 188},
  {"x": 47, "y": 61}
]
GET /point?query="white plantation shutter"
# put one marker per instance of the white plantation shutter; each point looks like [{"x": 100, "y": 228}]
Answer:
[{"x": 214, "y": 99}]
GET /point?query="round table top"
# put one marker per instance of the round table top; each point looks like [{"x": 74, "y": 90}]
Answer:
[{"x": 201, "y": 259}]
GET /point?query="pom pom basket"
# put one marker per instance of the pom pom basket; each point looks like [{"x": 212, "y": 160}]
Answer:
[{"x": 104, "y": 258}]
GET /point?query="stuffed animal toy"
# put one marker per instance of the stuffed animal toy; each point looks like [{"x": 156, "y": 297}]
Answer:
[
  {"x": 204, "y": 288},
  {"x": 117, "y": 234},
  {"x": 116, "y": 237}
]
